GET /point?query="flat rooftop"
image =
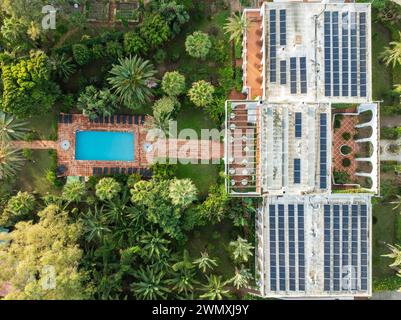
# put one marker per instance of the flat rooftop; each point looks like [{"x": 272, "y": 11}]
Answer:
[
  {"x": 317, "y": 52},
  {"x": 315, "y": 246}
]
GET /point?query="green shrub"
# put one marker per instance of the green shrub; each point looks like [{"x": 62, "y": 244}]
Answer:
[
  {"x": 154, "y": 30},
  {"x": 346, "y": 136},
  {"x": 81, "y": 54},
  {"x": 346, "y": 150},
  {"x": 198, "y": 45},
  {"x": 201, "y": 93},
  {"x": 389, "y": 283},
  {"x": 346, "y": 162},
  {"x": 341, "y": 177},
  {"x": 134, "y": 44},
  {"x": 390, "y": 133},
  {"x": 114, "y": 49},
  {"x": 27, "y": 153},
  {"x": 98, "y": 51},
  {"x": 173, "y": 83},
  {"x": 160, "y": 56},
  {"x": 337, "y": 121}
]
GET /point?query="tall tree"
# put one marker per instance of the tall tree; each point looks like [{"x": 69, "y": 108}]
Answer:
[
  {"x": 198, "y": 45},
  {"x": 214, "y": 289},
  {"x": 107, "y": 189},
  {"x": 154, "y": 246},
  {"x": 41, "y": 260},
  {"x": 241, "y": 249},
  {"x": 11, "y": 161},
  {"x": 95, "y": 226},
  {"x": 205, "y": 263},
  {"x": 392, "y": 55},
  {"x": 182, "y": 192},
  {"x": 74, "y": 191},
  {"x": 11, "y": 128},
  {"x": 132, "y": 80},
  {"x": 149, "y": 284},
  {"x": 241, "y": 277},
  {"x": 235, "y": 27},
  {"x": 94, "y": 103},
  {"x": 396, "y": 255},
  {"x": 18, "y": 208}
]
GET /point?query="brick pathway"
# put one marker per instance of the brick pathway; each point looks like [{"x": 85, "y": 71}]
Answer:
[
  {"x": 38, "y": 144},
  {"x": 347, "y": 125}
]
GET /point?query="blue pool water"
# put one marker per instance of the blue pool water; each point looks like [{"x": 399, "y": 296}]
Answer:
[{"x": 104, "y": 146}]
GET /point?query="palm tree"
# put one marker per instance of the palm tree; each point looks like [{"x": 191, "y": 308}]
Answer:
[
  {"x": 204, "y": 262},
  {"x": 150, "y": 285},
  {"x": 132, "y": 80},
  {"x": 10, "y": 128},
  {"x": 62, "y": 65},
  {"x": 241, "y": 277},
  {"x": 183, "y": 281},
  {"x": 392, "y": 54},
  {"x": 11, "y": 161},
  {"x": 242, "y": 250},
  {"x": 395, "y": 254},
  {"x": 182, "y": 192},
  {"x": 154, "y": 246},
  {"x": 235, "y": 27},
  {"x": 214, "y": 289},
  {"x": 95, "y": 226},
  {"x": 74, "y": 191}
]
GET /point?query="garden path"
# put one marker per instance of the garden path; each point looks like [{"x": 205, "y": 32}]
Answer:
[
  {"x": 38, "y": 144},
  {"x": 390, "y": 121},
  {"x": 385, "y": 155}
]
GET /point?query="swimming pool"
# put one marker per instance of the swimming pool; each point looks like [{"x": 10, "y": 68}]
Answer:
[{"x": 104, "y": 146}]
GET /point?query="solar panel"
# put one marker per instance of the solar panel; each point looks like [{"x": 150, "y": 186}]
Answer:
[
  {"x": 362, "y": 53},
  {"x": 283, "y": 33},
  {"x": 293, "y": 75},
  {"x": 354, "y": 62},
  {"x": 281, "y": 247},
  {"x": 354, "y": 246},
  {"x": 364, "y": 248},
  {"x": 283, "y": 72},
  {"x": 302, "y": 67},
  {"x": 345, "y": 246},
  {"x": 298, "y": 125},
  {"x": 345, "y": 56},
  {"x": 297, "y": 170},
  {"x": 327, "y": 53},
  {"x": 273, "y": 261},
  {"x": 291, "y": 246},
  {"x": 327, "y": 248},
  {"x": 272, "y": 46},
  {"x": 301, "y": 248},
  {"x": 336, "y": 65},
  {"x": 336, "y": 247},
  {"x": 323, "y": 151}
]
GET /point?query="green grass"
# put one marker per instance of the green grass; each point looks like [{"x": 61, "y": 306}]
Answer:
[
  {"x": 384, "y": 231},
  {"x": 32, "y": 177},
  {"x": 44, "y": 125},
  {"x": 215, "y": 240},
  {"x": 381, "y": 75},
  {"x": 203, "y": 176}
]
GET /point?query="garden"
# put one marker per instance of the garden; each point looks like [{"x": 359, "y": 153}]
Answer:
[{"x": 176, "y": 235}]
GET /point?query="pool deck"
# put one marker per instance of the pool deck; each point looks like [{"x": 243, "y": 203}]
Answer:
[{"x": 67, "y": 131}]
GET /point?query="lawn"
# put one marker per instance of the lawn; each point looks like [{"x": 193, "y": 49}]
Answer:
[
  {"x": 32, "y": 177},
  {"x": 384, "y": 231},
  {"x": 44, "y": 126},
  {"x": 214, "y": 239},
  {"x": 381, "y": 75}
]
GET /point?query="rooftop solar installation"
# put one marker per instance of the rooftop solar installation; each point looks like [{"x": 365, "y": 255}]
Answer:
[
  {"x": 336, "y": 54},
  {"x": 297, "y": 170},
  {"x": 327, "y": 53},
  {"x": 298, "y": 124},
  {"x": 354, "y": 62},
  {"x": 362, "y": 53},
  {"x": 345, "y": 55},
  {"x": 283, "y": 26},
  {"x": 293, "y": 75},
  {"x": 302, "y": 68},
  {"x": 272, "y": 47},
  {"x": 345, "y": 261},
  {"x": 323, "y": 151},
  {"x": 283, "y": 72}
]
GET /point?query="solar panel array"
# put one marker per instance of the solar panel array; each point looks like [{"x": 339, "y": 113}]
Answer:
[
  {"x": 297, "y": 171},
  {"x": 351, "y": 67},
  {"x": 302, "y": 67},
  {"x": 289, "y": 239},
  {"x": 283, "y": 72},
  {"x": 362, "y": 53},
  {"x": 298, "y": 124},
  {"x": 283, "y": 31},
  {"x": 323, "y": 150},
  {"x": 343, "y": 263},
  {"x": 293, "y": 75},
  {"x": 272, "y": 46}
]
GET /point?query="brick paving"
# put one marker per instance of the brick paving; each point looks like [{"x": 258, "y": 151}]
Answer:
[
  {"x": 254, "y": 66},
  {"x": 347, "y": 125},
  {"x": 37, "y": 144},
  {"x": 191, "y": 150}
]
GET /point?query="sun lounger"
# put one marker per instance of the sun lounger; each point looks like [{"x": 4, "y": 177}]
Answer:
[
  {"x": 60, "y": 118},
  {"x": 65, "y": 118},
  {"x": 122, "y": 170},
  {"x": 136, "y": 119},
  {"x": 112, "y": 119},
  {"x": 106, "y": 119},
  {"x": 118, "y": 119},
  {"x": 142, "y": 119},
  {"x": 94, "y": 171},
  {"x": 129, "y": 170},
  {"x": 129, "y": 119},
  {"x": 106, "y": 171},
  {"x": 117, "y": 170},
  {"x": 97, "y": 120},
  {"x": 101, "y": 119},
  {"x": 99, "y": 171},
  {"x": 111, "y": 170},
  {"x": 70, "y": 118},
  {"x": 124, "y": 119}
]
